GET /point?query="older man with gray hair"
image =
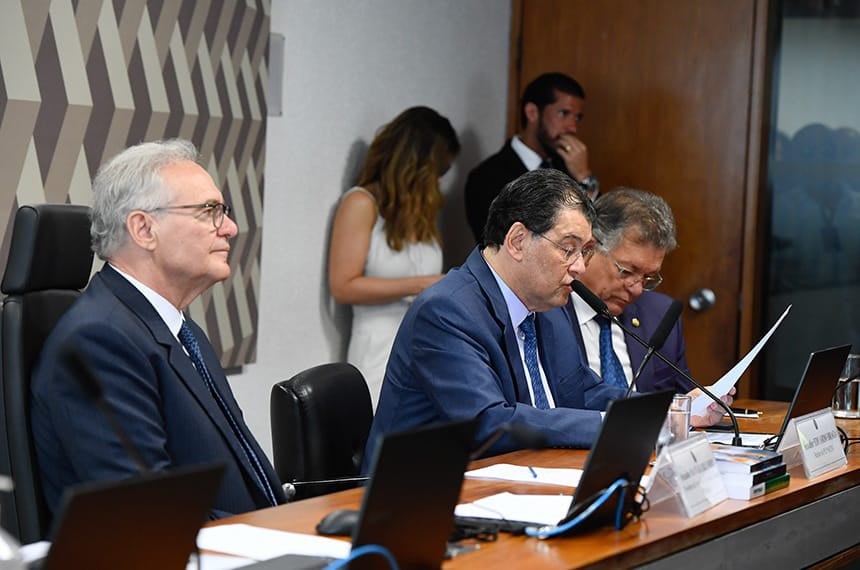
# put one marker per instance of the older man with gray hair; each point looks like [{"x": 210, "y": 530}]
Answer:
[
  {"x": 163, "y": 229},
  {"x": 634, "y": 230}
]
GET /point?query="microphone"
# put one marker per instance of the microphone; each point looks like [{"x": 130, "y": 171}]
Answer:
[
  {"x": 600, "y": 307},
  {"x": 521, "y": 434},
  {"x": 94, "y": 390},
  {"x": 658, "y": 339},
  {"x": 293, "y": 487}
]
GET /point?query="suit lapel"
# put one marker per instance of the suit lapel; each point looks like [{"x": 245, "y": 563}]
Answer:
[
  {"x": 179, "y": 361},
  {"x": 484, "y": 275}
]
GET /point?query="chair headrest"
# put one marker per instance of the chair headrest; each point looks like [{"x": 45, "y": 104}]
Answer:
[{"x": 50, "y": 249}]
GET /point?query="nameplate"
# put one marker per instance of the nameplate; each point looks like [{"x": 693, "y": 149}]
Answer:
[
  {"x": 820, "y": 448},
  {"x": 694, "y": 475}
]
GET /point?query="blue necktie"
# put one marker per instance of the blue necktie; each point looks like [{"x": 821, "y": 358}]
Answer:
[
  {"x": 530, "y": 350},
  {"x": 190, "y": 343},
  {"x": 610, "y": 367}
]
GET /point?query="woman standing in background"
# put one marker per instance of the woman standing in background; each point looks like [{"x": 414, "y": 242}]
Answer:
[{"x": 385, "y": 245}]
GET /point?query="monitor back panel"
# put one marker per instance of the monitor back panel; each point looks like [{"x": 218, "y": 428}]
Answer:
[
  {"x": 150, "y": 521},
  {"x": 409, "y": 503},
  {"x": 622, "y": 450}
]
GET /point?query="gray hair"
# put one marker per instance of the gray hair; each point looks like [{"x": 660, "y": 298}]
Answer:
[
  {"x": 640, "y": 216},
  {"x": 132, "y": 181}
]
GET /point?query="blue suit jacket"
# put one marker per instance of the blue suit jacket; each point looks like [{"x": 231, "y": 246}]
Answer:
[
  {"x": 151, "y": 386},
  {"x": 649, "y": 309},
  {"x": 456, "y": 357}
]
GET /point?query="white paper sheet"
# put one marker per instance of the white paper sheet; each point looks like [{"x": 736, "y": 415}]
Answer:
[
  {"x": 263, "y": 543},
  {"x": 748, "y": 439},
  {"x": 525, "y": 474},
  {"x": 722, "y": 386},
  {"x": 219, "y": 562},
  {"x": 539, "y": 509}
]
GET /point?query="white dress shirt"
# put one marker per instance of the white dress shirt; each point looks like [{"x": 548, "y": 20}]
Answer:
[
  {"x": 591, "y": 338},
  {"x": 518, "y": 313}
]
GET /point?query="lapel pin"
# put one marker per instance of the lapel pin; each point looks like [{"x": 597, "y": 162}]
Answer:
[{"x": 634, "y": 321}]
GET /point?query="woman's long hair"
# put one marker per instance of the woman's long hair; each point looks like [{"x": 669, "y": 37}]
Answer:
[{"x": 402, "y": 170}]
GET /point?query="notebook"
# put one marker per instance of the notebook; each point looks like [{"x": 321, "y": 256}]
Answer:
[
  {"x": 623, "y": 448},
  {"x": 815, "y": 390},
  {"x": 149, "y": 521}
]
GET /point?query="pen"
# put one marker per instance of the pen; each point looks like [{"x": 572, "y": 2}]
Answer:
[{"x": 533, "y": 472}]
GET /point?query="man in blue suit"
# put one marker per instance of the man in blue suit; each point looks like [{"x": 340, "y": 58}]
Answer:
[
  {"x": 492, "y": 339},
  {"x": 161, "y": 225},
  {"x": 635, "y": 230}
]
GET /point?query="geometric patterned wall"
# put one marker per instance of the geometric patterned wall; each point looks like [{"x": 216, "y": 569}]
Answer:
[{"x": 82, "y": 79}]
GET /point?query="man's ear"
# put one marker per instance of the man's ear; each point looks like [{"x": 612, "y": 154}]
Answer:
[
  {"x": 532, "y": 113},
  {"x": 515, "y": 240},
  {"x": 140, "y": 227}
]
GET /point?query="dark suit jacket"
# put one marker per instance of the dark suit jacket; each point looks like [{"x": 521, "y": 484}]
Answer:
[
  {"x": 484, "y": 183},
  {"x": 150, "y": 385},
  {"x": 456, "y": 357},
  {"x": 649, "y": 309},
  {"x": 486, "y": 180}
]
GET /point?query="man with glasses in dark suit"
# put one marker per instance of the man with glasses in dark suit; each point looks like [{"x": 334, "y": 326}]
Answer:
[
  {"x": 634, "y": 232},
  {"x": 163, "y": 229}
]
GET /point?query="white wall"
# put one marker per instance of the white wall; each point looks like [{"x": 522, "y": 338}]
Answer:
[{"x": 350, "y": 66}]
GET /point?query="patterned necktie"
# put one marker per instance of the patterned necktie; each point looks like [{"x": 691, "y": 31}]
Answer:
[
  {"x": 610, "y": 367},
  {"x": 190, "y": 343},
  {"x": 530, "y": 349}
]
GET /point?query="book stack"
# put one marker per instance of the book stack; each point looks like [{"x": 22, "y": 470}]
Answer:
[{"x": 749, "y": 473}]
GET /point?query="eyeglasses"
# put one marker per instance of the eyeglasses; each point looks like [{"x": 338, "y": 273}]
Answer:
[
  {"x": 571, "y": 253},
  {"x": 216, "y": 209},
  {"x": 631, "y": 278}
]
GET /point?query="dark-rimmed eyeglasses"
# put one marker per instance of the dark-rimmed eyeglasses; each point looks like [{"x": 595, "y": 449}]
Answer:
[
  {"x": 572, "y": 253},
  {"x": 631, "y": 278},
  {"x": 216, "y": 209}
]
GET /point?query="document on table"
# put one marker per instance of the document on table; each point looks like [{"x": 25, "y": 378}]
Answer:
[
  {"x": 538, "y": 509},
  {"x": 260, "y": 543},
  {"x": 749, "y": 439},
  {"x": 722, "y": 386},
  {"x": 526, "y": 474}
]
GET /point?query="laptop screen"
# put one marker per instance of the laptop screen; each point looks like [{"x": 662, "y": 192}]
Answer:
[
  {"x": 149, "y": 521},
  {"x": 815, "y": 390},
  {"x": 623, "y": 449},
  {"x": 408, "y": 506}
]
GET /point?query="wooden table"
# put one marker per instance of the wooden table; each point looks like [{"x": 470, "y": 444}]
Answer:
[{"x": 806, "y": 522}]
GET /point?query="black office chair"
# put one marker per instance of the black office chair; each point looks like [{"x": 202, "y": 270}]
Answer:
[
  {"x": 320, "y": 421},
  {"x": 49, "y": 263}
]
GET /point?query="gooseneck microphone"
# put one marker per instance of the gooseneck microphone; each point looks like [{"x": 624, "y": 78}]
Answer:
[
  {"x": 92, "y": 387},
  {"x": 658, "y": 339},
  {"x": 600, "y": 308},
  {"x": 291, "y": 488},
  {"x": 522, "y": 435}
]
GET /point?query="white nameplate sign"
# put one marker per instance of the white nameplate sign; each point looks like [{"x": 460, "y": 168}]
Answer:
[
  {"x": 696, "y": 477},
  {"x": 820, "y": 448}
]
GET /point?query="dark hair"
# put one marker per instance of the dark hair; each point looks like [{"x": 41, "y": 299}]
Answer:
[
  {"x": 647, "y": 216},
  {"x": 405, "y": 161},
  {"x": 535, "y": 199},
  {"x": 541, "y": 91}
]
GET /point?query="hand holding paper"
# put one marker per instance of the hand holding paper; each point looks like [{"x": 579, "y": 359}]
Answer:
[{"x": 722, "y": 386}]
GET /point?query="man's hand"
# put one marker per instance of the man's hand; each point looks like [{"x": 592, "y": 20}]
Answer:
[
  {"x": 575, "y": 155},
  {"x": 714, "y": 413}
]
